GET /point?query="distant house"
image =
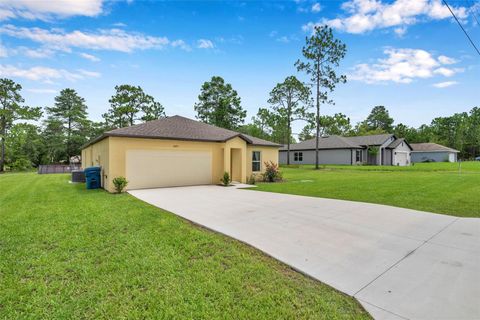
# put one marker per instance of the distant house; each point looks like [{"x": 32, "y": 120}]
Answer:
[
  {"x": 76, "y": 159},
  {"x": 382, "y": 149},
  {"x": 433, "y": 152}
]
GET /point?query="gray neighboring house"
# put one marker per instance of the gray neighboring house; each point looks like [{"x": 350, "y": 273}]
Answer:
[
  {"x": 433, "y": 152},
  {"x": 350, "y": 151}
]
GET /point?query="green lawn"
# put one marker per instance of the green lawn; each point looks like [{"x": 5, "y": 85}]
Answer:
[
  {"x": 66, "y": 252},
  {"x": 434, "y": 187}
]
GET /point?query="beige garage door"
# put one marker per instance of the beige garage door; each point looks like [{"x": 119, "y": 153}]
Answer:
[{"x": 167, "y": 168}]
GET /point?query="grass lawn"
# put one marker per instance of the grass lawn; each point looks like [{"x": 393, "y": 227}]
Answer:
[
  {"x": 66, "y": 252},
  {"x": 434, "y": 187}
]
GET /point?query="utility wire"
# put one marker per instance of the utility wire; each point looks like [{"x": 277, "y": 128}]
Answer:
[{"x": 453, "y": 14}]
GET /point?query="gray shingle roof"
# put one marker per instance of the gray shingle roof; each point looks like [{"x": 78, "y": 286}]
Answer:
[
  {"x": 181, "y": 128},
  {"x": 330, "y": 142},
  {"x": 338, "y": 142},
  {"x": 259, "y": 142},
  {"x": 373, "y": 140},
  {"x": 430, "y": 147}
]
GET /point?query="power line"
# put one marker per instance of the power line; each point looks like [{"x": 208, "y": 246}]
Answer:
[{"x": 453, "y": 14}]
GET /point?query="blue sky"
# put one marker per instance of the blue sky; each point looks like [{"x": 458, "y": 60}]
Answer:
[{"x": 408, "y": 55}]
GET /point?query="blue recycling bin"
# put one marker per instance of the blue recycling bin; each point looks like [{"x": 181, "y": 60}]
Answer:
[{"x": 93, "y": 177}]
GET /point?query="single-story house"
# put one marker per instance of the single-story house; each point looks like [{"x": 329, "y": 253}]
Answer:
[
  {"x": 433, "y": 152},
  {"x": 381, "y": 149},
  {"x": 176, "y": 151}
]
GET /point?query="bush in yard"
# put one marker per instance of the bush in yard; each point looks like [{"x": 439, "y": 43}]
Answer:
[
  {"x": 272, "y": 173},
  {"x": 120, "y": 183},
  {"x": 21, "y": 164},
  {"x": 225, "y": 179},
  {"x": 252, "y": 179}
]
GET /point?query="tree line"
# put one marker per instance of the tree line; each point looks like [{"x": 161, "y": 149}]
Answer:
[
  {"x": 57, "y": 133},
  {"x": 31, "y": 136}
]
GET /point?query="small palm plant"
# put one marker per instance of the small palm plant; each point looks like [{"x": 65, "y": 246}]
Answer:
[
  {"x": 225, "y": 179},
  {"x": 120, "y": 183}
]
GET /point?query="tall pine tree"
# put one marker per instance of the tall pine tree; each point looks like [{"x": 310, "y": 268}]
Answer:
[
  {"x": 129, "y": 104},
  {"x": 219, "y": 104},
  {"x": 322, "y": 53},
  {"x": 11, "y": 110},
  {"x": 71, "y": 111}
]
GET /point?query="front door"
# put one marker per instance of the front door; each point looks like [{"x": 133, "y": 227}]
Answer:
[{"x": 236, "y": 164}]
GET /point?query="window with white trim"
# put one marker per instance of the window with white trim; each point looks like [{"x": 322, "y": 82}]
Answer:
[
  {"x": 256, "y": 161},
  {"x": 298, "y": 156}
]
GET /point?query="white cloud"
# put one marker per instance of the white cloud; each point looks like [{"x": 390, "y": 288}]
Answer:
[
  {"x": 446, "y": 60},
  {"x": 400, "y": 31},
  {"x": 6, "y": 14},
  {"x": 238, "y": 39},
  {"x": 283, "y": 39},
  {"x": 445, "y": 84},
  {"x": 90, "y": 57},
  {"x": 45, "y": 10},
  {"x": 44, "y": 74},
  {"x": 316, "y": 7},
  {"x": 36, "y": 53},
  {"x": 402, "y": 66},
  {"x": 3, "y": 51},
  {"x": 287, "y": 39},
  {"x": 47, "y": 91},
  {"x": 205, "y": 44},
  {"x": 91, "y": 74},
  {"x": 29, "y": 52},
  {"x": 111, "y": 39},
  {"x": 181, "y": 44},
  {"x": 367, "y": 15},
  {"x": 446, "y": 72}
]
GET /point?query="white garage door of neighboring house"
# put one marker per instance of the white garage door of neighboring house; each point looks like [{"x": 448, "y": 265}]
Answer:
[
  {"x": 167, "y": 168},
  {"x": 401, "y": 158},
  {"x": 451, "y": 157}
]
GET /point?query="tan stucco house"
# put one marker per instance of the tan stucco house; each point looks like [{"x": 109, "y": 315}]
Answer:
[{"x": 176, "y": 151}]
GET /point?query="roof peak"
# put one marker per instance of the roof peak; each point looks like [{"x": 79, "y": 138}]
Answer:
[{"x": 177, "y": 127}]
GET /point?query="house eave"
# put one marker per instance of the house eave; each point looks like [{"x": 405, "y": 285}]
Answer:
[{"x": 106, "y": 135}]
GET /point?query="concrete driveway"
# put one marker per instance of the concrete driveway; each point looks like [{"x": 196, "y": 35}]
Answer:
[{"x": 399, "y": 263}]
